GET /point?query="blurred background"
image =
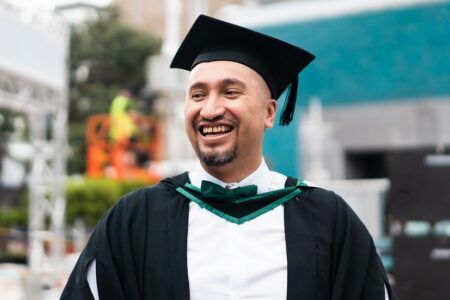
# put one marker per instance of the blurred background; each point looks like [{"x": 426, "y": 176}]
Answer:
[{"x": 89, "y": 110}]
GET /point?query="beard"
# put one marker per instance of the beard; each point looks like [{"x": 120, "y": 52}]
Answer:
[{"x": 215, "y": 158}]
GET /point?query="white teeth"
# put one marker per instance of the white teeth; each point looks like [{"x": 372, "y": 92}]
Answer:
[{"x": 215, "y": 129}]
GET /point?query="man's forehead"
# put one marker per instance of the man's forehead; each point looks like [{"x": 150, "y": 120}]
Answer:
[{"x": 223, "y": 70}]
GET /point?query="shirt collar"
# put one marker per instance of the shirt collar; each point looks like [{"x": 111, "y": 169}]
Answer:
[{"x": 260, "y": 177}]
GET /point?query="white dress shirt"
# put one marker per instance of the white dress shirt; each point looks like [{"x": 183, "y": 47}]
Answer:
[{"x": 227, "y": 261}]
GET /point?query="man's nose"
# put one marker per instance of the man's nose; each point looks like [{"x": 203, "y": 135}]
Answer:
[{"x": 213, "y": 108}]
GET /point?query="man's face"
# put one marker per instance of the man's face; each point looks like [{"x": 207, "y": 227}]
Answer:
[{"x": 228, "y": 107}]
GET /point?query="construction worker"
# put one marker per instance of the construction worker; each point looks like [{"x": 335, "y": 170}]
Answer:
[{"x": 123, "y": 118}]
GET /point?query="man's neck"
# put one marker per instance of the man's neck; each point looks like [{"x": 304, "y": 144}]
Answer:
[{"x": 232, "y": 172}]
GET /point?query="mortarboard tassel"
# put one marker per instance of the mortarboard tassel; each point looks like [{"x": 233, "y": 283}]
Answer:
[{"x": 289, "y": 103}]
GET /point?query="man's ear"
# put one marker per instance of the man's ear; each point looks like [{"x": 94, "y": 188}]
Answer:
[{"x": 271, "y": 113}]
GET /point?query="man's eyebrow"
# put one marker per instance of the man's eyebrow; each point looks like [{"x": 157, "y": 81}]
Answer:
[
  {"x": 222, "y": 83},
  {"x": 230, "y": 81},
  {"x": 198, "y": 85}
]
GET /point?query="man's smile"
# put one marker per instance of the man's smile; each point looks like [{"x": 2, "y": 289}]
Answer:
[
  {"x": 214, "y": 133},
  {"x": 208, "y": 130}
]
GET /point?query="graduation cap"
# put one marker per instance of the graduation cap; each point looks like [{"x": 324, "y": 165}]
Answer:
[{"x": 276, "y": 61}]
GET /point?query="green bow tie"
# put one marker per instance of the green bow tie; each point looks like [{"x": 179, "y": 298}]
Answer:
[{"x": 214, "y": 191}]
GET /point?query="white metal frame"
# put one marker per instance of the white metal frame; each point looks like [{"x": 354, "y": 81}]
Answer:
[{"x": 46, "y": 108}]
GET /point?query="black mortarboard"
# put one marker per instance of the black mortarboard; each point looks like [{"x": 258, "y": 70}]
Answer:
[{"x": 276, "y": 61}]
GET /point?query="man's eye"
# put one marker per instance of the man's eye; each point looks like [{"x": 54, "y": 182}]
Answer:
[
  {"x": 198, "y": 96},
  {"x": 232, "y": 93}
]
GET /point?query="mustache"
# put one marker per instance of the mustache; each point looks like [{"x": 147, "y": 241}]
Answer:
[{"x": 216, "y": 119}]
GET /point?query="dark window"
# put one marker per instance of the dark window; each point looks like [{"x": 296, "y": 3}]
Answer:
[{"x": 366, "y": 165}]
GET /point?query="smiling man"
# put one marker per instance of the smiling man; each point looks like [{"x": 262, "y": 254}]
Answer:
[{"x": 231, "y": 228}]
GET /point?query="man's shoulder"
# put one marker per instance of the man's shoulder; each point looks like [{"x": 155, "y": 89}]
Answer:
[
  {"x": 310, "y": 190},
  {"x": 320, "y": 197},
  {"x": 324, "y": 201}
]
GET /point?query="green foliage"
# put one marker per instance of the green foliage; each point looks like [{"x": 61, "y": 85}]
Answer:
[
  {"x": 18, "y": 216},
  {"x": 7, "y": 118},
  {"x": 115, "y": 55},
  {"x": 115, "y": 52},
  {"x": 77, "y": 138},
  {"x": 89, "y": 199},
  {"x": 5, "y": 121}
]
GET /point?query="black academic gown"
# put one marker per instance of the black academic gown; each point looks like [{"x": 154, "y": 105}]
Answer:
[{"x": 140, "y": 248}]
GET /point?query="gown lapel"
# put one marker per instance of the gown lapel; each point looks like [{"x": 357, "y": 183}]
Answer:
[
  {"x": 178, "y": 217},
  {"x": 300, "y": 248}
]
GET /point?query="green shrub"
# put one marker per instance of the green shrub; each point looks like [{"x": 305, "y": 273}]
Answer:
[
  {"x": 89, "y": 199},
  {"x": 17, "y": 216}
]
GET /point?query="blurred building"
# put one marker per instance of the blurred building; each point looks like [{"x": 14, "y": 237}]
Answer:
[
  {"x": 148, "y": 15},
  {"x": 78, "y": 13},
  {"x": 382, "y": 75}
]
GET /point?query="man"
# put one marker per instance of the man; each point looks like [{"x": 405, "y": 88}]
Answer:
[{"x": 231, "y": 229}]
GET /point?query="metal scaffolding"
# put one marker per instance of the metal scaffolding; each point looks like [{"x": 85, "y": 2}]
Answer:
[{"x": 45, "y": 103}]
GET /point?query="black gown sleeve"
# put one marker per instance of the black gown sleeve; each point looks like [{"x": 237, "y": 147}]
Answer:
[
  {"x": 357, "y": 271},
  {"x": 139, "y": 247},
  {"x": 116, "y": 244},
  {"x": 77, "y": 287}
]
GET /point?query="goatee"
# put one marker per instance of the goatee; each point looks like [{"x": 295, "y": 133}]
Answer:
[{"x": 216, "y": 159}]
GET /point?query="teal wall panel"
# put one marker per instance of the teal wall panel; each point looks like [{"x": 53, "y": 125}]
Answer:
[
  {"x": 388, "y": 55},
  {"x": 280, "y": 149},
  {"x": 391, "y": 54}
]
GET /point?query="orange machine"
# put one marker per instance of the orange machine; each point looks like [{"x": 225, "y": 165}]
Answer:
[{"x": 124, "y": 160}]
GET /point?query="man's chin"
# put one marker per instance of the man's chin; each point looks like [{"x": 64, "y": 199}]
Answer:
[{"x": 216, "y": 159}]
